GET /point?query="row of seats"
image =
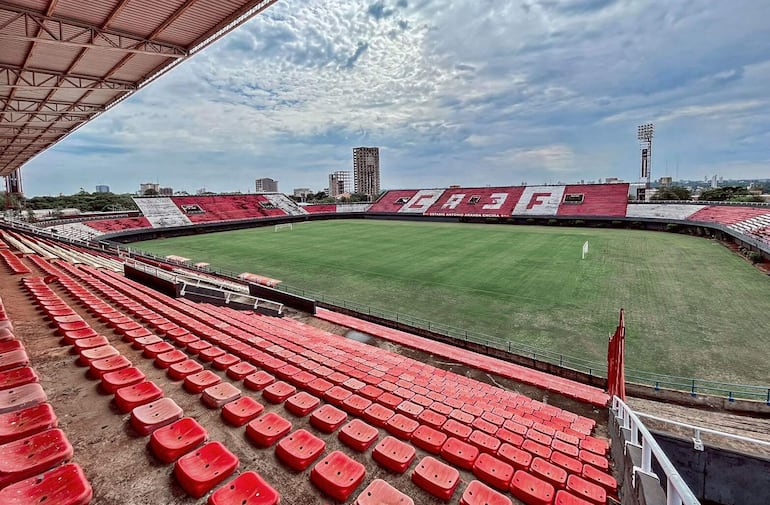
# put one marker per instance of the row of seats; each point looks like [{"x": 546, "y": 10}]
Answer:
[
  {"x": 331, "y": 394},
  {"x": 120, "y": 224},
  {"x": 34, "y": 453},
  {"x": 13, "y": 262},
  {"x": 202, "y": 209}
]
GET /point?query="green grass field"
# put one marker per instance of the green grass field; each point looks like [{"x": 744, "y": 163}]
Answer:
[{"x": 693, "y": 308}]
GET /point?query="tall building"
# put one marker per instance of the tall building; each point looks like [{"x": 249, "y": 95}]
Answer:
[
  {"x": 340, "y": 182},
  {"x": 166, "y": 191},
  {"x": 101, "y": 188},
  {"x": 302, "y": 193},
  {"x": 366, "y": 171},
  {"x": 152, "y": 187},
  {"x": 266, "y": 185}
]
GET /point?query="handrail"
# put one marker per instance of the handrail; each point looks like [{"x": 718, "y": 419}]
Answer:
[
  {"x": 698, "y": 430},
  {"x": 677, "y": 491}
]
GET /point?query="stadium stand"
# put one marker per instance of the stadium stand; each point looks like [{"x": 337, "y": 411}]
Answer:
[
  {"x": 211, "y": 208},
  {"x": 487, "y": 201},
  {"x": 674, "y": 211},
  {"x": 392, "y": 201},
  {"x": 75, "y": 231},
  {"x": 301, "y": 355},
  {"x": 161, "y": 212},
  {"x": 117, "y": 225},
  {"x": 329, "y": 208},
  {"x": 539, "y": 201},
  {"x": 594, "y": 200},
  {"x": 286, "y": 204},
  {"x": 728, "y": 214},
  {"x": 421, "y": 201}
]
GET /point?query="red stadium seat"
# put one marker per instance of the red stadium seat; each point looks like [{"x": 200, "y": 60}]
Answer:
[
  {"x": 258, "y": 380},
  {"x": 21, "y": 397},
  {"x": 26, "y": 457},
  {"x": 586, "y": 490},
  {"x": 337, "y": 475},
  {"x": 219, "y": 394},
  {"x": 298, "y": 450},
  {"x": 428, "y": 439},
  {"x": 459, "y": 453},
  {"x": 457, "y": 430},
  {"x": 278, "y": 392},
  {"x": 493, "y": 471},
  {"x": 112, "y": 381},
  {"x": 328, "y": 418},
  {"x": 170, "y": 442},
  {"x": 17, "y": 377},
  {"x": 358, "y": 435},
  {"x": 240, "y": 371},
  {"x": 241, "y": 411},
  {"x": 268, "y": 429},
  {"x": 178, "y": 371},
  {"x": 129, "y": 397},
  {"x": 249, "y": 488},
  {"x": 197, "y": 382},
  {"x": 166, "y": 359},
  {"x": 401, "y": 426},
  {"x": 64, "y": 485},
  {"x": 566, "y": 498},
  {"x": 379, "y": 492},
  {"x": 377, "y": 415},
  {"x": 603, "y": 479},
  {"x": 436, "y": 478},
  {"x": 149, "y": 417},
  {"x": 531, "y": 490},
  {"x": 549, "y": 472},
  {"x": 26, "y": 422},
  {"x": 355, "y": 405},
  {"x": 302, "y": 404},
  {"x": 477, "y": 493},
  {"x": 393, "y": 454},
  {"x": 199, "y": 471},
  {"x": 112, "y": 364}
]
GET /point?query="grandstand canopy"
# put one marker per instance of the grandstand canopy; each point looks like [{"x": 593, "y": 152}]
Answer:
[{"x": 64, "y": 62}]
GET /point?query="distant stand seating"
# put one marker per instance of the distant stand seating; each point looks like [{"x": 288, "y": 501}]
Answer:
[
  {"x": 727, "y": 215},
  {"x": 392, "y": 201},
  {"x": 608, "y": 200},
  {"x": 498, "y": 201},
  {"x": 122, "y": 224},
  {"x": 330, "y": 208},
  {"x": 161, "y": 212},
  {"x": 211, "y": 208}
]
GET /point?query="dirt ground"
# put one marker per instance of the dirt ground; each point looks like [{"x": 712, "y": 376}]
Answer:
[{"x": 122, "y": 470}]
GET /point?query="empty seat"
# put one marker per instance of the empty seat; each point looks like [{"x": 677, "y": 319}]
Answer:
[
  {"x": 566, "y": 498},
  {"x": 493, "y": 471},
  {"x": 21, "y": 397},
  {"x": 358, "y": 435},
  {"x": 531, "y": 490},
  {"x": 197, "y": 382},
  {"x": 17, "y": 377},
  {"x": 594, "y": 459},
  {"x": 220, "y": 394},
  {"x": 166, "y": 359},
  {"x": 587, "y": 490},
  {"x": 457, "y": 429},
  {"x": 435, "y": 477},
  {"x": 328, "y": 418},
  {"x": 338, "y": 475},
  {"x": 278, "y": 392},
  {"x": 13, "y": 359},
  {"x": 484, "y": 441},
  {"x": 336, "y": 395},
  {"x": 569, "y": 463},
  {"x": 379, "y": 492},
  {"x": 249, "y": 488},
  {"x": 111, "y": 364},
  {"x": 26, "y": 457},
  {"x": 299, "y": 449},
  {"x": 428, "y": 439},
  {"x": 65, "y": 485},
  {"x": 88, "y": 356},
  {"x": 112, "y": 381},
  {"x": 199, "y": 471},
  {"x": 129, "y": 397},
  {"x": 26, "y": 422},
  {"x": 355, "y": 405},
  {"x": 225, "y": 361},
  {"x": 178, "y": 371},
  {"x": 603, "y": 479},
  {"x": 549, "y": 472},
  {"x": 153, "y": 350},
  {"x": 459, "y": 453},
  {"x": 477, "y": 493},
  {"x": 377, "y": 415},
  {"x": 241, "y": 411},
  {"x": 258, "y": 380},
  {"x": 170, "y": 442},
  {"x": 266, "y": 430},
  {"x": 401, "y": 426},
  {"x": 302, "y": 404},
  {"x": 393, "y": 454},
  {"x": 240, "y": 371},
  {"x": 149, "y": 417}
]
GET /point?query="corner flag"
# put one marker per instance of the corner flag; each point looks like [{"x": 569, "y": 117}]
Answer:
[{"x": 585, "y": 250}]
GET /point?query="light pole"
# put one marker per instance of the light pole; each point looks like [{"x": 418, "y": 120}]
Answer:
[{"x": 645, "y": 133}]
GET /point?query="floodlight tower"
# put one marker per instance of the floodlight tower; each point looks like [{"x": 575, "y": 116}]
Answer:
[{"x": 645, "y": 133}]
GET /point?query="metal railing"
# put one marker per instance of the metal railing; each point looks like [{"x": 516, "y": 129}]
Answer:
[{"x": 676, "y": 489}]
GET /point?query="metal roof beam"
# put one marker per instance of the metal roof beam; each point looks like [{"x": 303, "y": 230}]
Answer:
[
  {"x": 6, "y": 142},
  {"x": 40, "y": 117},
  {"x": 21, "y": 24},
  {"x": 16, "y": 77},
  {"x": 10, "y": 131},
  {"x": 47, "y": 106}
]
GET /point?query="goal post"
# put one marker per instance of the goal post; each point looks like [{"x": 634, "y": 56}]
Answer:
[
  {"x": 284, "y": 226},
  {"x": 585, "y": 250}
]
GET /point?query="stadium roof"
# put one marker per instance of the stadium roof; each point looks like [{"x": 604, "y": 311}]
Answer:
[{"x": 64, "y": 62}]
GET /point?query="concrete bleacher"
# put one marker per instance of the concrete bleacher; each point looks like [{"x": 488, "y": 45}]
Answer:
[
  {"x": 387, "y": 424},
  {"x": 608, "y": 200},
  {"x": 488, "y": 201},
  {"x": 673, "y": 211},
  {"x": 161, "y": 212},
  {"x": 118, "y": 225},
  {"x": 213, "y": 208},
  {"x": 392, "y": 201},
  {"x": 284, "y": 203}
]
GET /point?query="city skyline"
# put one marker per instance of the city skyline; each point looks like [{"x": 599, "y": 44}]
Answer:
[{"x": 543, "y": 92}]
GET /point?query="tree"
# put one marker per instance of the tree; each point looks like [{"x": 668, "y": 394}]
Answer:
[
  {"x": 150, "y": 192},
  {"x": 673, "y": 193},
  {"x": 723, "y": 194}
]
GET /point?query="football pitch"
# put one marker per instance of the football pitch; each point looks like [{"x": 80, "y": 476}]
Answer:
[{"x": 693, "y": 308}]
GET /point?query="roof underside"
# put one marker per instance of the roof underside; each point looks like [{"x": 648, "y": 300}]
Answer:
[{"x": 64, "y": 62}]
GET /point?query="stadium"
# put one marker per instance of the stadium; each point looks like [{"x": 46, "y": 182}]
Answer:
[{"x": 435, "y": 345}]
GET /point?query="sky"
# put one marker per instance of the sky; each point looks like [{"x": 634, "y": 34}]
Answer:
[{"x": 468, "y": 92}]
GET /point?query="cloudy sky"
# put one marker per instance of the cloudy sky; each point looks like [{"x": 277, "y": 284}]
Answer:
[{"x": 470, "y": 92}]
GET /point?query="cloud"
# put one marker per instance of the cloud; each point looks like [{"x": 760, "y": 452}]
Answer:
[{"x": 454, "y": 91}]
